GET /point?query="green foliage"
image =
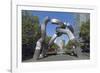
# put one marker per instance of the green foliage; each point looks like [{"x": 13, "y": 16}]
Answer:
[
  {"x": 70, "y": 44},
  {"x": 85, "y": 30},
  {"x": 85, "y": 35},
  {"x": 30, "y": 28},
  {"x": 30, "y": 34},
  {"x": 54, "y": 46},
  {"x": 47, "y": 39}
]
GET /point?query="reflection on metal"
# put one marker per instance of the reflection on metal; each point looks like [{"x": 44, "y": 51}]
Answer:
[
  {"x": 56, "y": 21},
  {"x": 60, "y": 44},
  {"x": 41, "y": 47}
]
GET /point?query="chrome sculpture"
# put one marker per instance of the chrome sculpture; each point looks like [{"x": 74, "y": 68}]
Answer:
[{"x": 41, "y": 46}]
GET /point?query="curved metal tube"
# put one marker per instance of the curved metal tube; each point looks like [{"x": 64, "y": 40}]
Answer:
[
  {"x": 57, "y": 22},
  {"x": 37, "y": 49},
  {"x": 52, "y": 39},
  {"x": 66, "y": 31},
  {"x": 41, "y": 42},
  {"x": 43, "y": 28}
]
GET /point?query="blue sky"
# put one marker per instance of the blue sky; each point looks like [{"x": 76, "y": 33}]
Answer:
[
  {"x": 67, "y": 17},
  {"x": 63, "y": 16}
]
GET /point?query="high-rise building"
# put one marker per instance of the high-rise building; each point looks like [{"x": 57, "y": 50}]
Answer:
[{"x": 79, "y": 18}]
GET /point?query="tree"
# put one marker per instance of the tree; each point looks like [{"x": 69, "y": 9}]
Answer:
[
  {"x": 71, "y": 47},
  {"x": 36, "y": 28},
  {"x": 30, "y": 34},
  {"x": 85, "y": 36},
  {"x": 85, "y": 30},
  {"x": 53, "y": 49},
  {"x": 30, "y": 29},
  {"x": 54, "y": 46},
  {"x": 47, "y": 39},
  {"x": 71, "y": 43}
]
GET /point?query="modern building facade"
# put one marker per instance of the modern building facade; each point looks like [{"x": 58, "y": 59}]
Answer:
[{"x": 79, "y": 18}]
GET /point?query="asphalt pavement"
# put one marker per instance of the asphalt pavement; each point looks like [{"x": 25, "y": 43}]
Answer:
[{"x": 61, "y": 57}]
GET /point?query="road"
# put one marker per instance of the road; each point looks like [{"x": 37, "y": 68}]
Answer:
[{"x": 61, "y": 57}]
